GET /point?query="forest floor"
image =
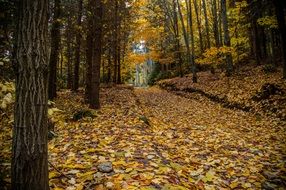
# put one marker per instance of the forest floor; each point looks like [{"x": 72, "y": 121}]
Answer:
[
  {"x": 183, "y": 144},
  {"x": 154, "y": 139},
  {"x": 250, "y": 89},
  {"x": 157, "y": 140}
]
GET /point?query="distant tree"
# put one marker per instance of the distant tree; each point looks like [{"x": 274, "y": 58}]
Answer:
[
  {"x": 208, "y": 45},
  {"x": 280, "y": 7},
  {"x": 78, "y": 46},
  {"x": 30, "y": 151},
  {"x": 229, "y": 61},
  {"x": 55, "y": 50}
]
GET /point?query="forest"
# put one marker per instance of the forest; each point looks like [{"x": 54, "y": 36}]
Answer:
[{"x": 142, "y": 94}]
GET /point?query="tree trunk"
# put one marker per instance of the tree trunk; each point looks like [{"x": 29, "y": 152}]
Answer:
[
  {"x": 199, "y": 26},
  {"x": 55, "y": 50},
  {"x": 77, "y": 48},
  {"x": 30, "y": 151},
  {"x": 186, "y": 38},
  {"x": 69, "y": 49},
  {"x": 206, "y": 24},
  {"x": 226, "y": 37},
  {"x": 215, "y": 23},
  {"x": 280, "y": 7},
  {"x": 194, "y": 69},
  {"x": 115, "y": 41},
  {"x": 95, "y": 79},
  {"x": 89, "y": 53}
]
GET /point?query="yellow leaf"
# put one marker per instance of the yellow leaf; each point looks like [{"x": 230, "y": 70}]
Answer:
[
  {"x": 58, "y": 188},
  {"x": 210, "y": 175},
  {"x": 246, "y": 185},
  {"x": 233, "y": 185},
  {"x": 53, "y": 175},
  {"x": 88, "y": 176}
]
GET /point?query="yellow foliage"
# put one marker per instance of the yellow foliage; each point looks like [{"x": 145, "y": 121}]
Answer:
[{"x": 214, "y": 55}]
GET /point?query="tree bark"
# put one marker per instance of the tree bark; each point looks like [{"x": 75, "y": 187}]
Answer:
[
  {"x": 30, "y": 151},
  {"x": 206, "y": 24},
  {"x": 280, "y": 6},
  {"x": 95, "y": 79},
  {"x": 199, "y": 26},
  {"x": 89, "y": 52},
  {"x": 55, "y": 50},
  {"x": 115, "y": 41},
  {"x": 77, "y": 48},
  {"x": 186, "y": 38},
  {"x": 69, "y": 49},
  {"x": 194, "y": 69},
  {"x": 215, "y": 23},
  {"x": 226, "y": 37}
]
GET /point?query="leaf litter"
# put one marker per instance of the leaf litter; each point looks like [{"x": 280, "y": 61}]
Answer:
[{"x": 186, "y": 144}]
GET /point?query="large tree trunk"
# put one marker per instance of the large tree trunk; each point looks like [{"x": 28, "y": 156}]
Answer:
[
  {"x": 55, "y": 50},
  {"x": 95, "y": 79},
  {"x": 280, "y": 6},
  {"x": 77, "y": 48},
  {"x": 29, "y": 161},
  {"x": 89, "y": 53},
  {"x": 226, "y": 37}
]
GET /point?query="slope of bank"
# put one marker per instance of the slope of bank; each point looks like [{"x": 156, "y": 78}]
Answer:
[{"x": 251, "y": 89}]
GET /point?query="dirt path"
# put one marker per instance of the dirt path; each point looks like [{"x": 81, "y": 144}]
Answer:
[{"x": 190, "y": 144}]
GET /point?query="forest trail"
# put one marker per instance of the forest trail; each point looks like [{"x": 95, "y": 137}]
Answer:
[{"x": 189, "y": 144}]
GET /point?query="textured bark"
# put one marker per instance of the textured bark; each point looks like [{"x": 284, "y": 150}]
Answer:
[
  {"x": 115, "y": 42},
  {"x": 186, "y": 38},
  {"x": 199, "y": 26},
  {"x": 280, "y": 6},
  {"x": 175, "y": 26},
  {"x": 69, "y": 49},
  {"x": 95, "y": 79},
  {"x": 194, "y": 70},
  {"x": 215, "y": 23},
  {"x": 29, "y": 160},
  {"x": 55, "y": 50},
  {"x": 208, "y": 45},
  {"x": 118, "y": 66},
  {"x": 89, "y": 53},
  {"x": 226, "y": 37},
  {"x": 108, "y": 80},
  {"x": 77, "y": 48}
]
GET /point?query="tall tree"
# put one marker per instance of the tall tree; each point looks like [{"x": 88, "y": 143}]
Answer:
[
  {"x": 95, "y": 78},
  {"x": 206, "y": 24},
  {"x": 115, "y": 40},
  {"x": 226, "y": 37},
  {"x": 30, "y": 151},
  {"x": 280, "y": 7},
  {"x": 186, "y": 38},
  {"x": 215, "y": 23},
  {"x": 55, "y": 50},
  {"x": 89, "y": 51},
  {"x": 199, "y": 26},
  {"x": 190, "y": 13},
  {"x": 69, "y": 43},
  {"x": 77, "y": 48}
]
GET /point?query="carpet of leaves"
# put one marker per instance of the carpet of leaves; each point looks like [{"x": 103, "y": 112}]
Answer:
[
  {"x": 240, "y": 88},
  {"x": 186, "y": 144},
  {"x": 189, "y": 144}
]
